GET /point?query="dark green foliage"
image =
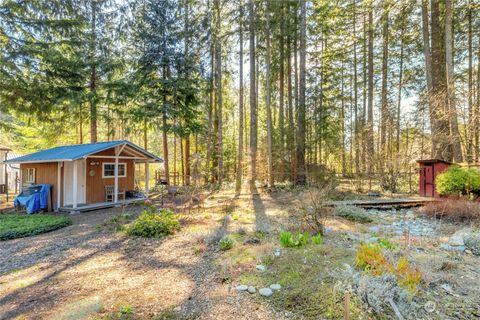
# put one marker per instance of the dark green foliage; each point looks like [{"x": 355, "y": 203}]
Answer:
[
  {"x": 16, "y": 226},
  {"x": 353, "y": 213},
  {"x": 458, "y": 181},
  {"x": 153, "y": 224}
]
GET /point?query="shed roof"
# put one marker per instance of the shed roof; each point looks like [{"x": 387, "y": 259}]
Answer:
[
  {"x": 429, "y": 161},
  {"x": 3, "y": 148},
  {"x": 79, "y": 151}
]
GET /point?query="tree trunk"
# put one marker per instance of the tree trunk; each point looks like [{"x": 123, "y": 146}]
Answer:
[
  {"x": 281, "y": 89},
  {"x": 450, "y": 74},
  {"x": 253, "y": 100},
  {"x": 365, "y": 95},
  {"x": 477, "y": 111},
  {"x": 165, "y": 145},
  {"x": 93, "y": 76},
  {"x": 384, "y": 114},
  {"x": 80, "y": 125},
  {"x": 370, "y": 141},
  {"x": 182, "y": 160},
  {"x": 441, "y": 142},
  {"x": 165, "y": 137},
  {"x": 301, "y": 174},
  {"x": 187, "y": 76},
  {"x": 219, "y": 93},
  {"x": 290, "y": 134},
  {"x": 145, "y": 136},
  {"x": 175, "y": 182},
  {"x": 471, "y": 110},
  {"x": 267, "y": 100},
  {"x": 400, "y": 85},
  {"x": 238, "y": 183},
  {"x": 356, "y": 138},
  {"x": 428, "y": 63},
  {"x": 342, "y": 119},
  {"x": 211, "y": 101}
]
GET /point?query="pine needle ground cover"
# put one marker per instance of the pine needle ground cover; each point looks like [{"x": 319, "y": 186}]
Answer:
[{"x": 17, "y": 226}]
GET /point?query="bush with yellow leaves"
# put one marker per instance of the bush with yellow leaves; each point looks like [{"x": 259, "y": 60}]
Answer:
[{"x": 371, "y": 259}]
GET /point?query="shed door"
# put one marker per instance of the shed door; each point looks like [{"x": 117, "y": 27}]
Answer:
[
  {"x": 68, "y": 182},
  {"x": 429, "y": 181}
]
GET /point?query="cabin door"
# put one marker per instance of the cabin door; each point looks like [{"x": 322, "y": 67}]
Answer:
[
  {"x": 68, "y": 182},
  {"x": 428, "y": 183}
]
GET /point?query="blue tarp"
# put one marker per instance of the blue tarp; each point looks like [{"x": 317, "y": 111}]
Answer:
[{"x": 34, "y": 199}]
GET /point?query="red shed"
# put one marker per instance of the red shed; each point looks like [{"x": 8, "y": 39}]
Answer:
[{"x": 429, "y": 170}]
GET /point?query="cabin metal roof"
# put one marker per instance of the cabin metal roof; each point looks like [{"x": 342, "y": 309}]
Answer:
[{"x": 79, "y": 151}]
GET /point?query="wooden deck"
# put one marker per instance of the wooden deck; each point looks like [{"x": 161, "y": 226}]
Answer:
[
  {"x": 383, "y": 202},
  {"x": 99, "y": 205}
]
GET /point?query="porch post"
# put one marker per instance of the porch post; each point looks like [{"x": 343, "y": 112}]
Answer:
[
  {"x": 59, "y": 183},
  {"x": 6, "y": 174},
  {"x": 115, "y": 185},
  {"x": 147, "y": 176},
  {"x": 75, "y": 187},
  {"x": 20, "y": 183}
]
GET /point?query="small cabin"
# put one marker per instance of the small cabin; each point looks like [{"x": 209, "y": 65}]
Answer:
[
  {"x": 429, "y": 170},
  {"x": 87, "y": 176}
]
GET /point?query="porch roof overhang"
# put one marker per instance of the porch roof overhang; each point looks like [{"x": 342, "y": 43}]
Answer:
[{"x": 83, "y": 151}]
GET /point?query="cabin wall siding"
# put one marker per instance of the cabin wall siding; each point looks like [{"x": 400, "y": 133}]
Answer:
[
  {"x": 46, "y": 173},
  {"x": 96, "y": 184}
]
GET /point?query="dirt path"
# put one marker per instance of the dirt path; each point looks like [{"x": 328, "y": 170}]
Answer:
[{"x": 84, "y": 272}]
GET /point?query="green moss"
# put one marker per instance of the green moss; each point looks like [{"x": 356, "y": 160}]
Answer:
[
  {"x": 241, "y": 255},
  {"x": 16, "y": 226},
  {"x": 308, "y": 286}
]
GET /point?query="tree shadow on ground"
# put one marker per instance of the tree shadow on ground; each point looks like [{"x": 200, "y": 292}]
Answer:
[
  {"x": 40, "y": 294},
  {"x": 262, "y": 221},
  {"x": 50, "y": 292}
]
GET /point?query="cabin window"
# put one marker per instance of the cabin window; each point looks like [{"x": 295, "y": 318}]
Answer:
[
  {"x": 31, "y": 175},
  {"x": 109, "y": 170}
]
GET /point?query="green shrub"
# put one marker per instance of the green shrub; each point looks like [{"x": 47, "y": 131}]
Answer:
[
  {"x": 153, "y": 224},
  {"x": 127, "y": 310},
  {"x": 317, "y": 239},
  {"x": 458, "y": 181},
  {"x": 353, "y": 213},
  {"x": 16, "y": 226},
  {"x": 226, "y": 243},
  {"x": 288, "y": 240}
]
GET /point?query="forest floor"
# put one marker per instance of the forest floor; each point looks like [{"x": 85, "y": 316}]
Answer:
[{"x": 90, "y": 271}]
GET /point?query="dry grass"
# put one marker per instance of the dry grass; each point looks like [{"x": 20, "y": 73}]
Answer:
[{"x": 454, "y": 210}]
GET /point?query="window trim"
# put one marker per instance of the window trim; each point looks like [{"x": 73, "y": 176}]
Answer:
[
  {"x": 110, "y": 163},
  {"x": 27, "y": 175}
]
